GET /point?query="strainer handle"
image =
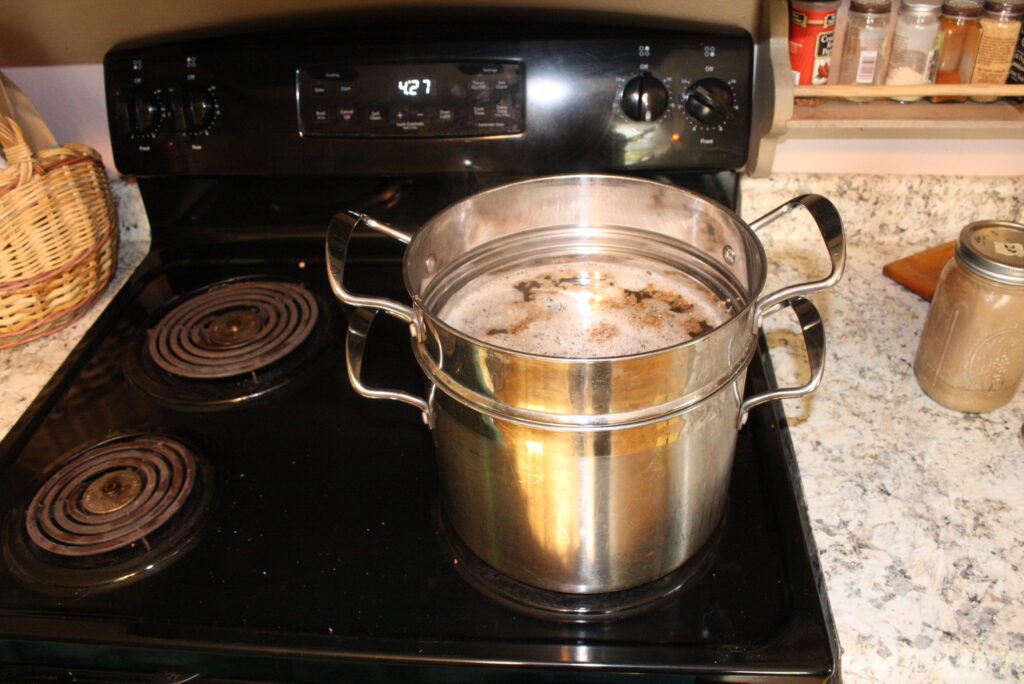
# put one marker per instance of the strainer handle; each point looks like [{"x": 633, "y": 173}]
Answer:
[
  {"x": 339, "y": 233},
  {"x": 355, "y": 350},
  {"x": 830, "y": 225},
  {"x": 814, "y": 342}
]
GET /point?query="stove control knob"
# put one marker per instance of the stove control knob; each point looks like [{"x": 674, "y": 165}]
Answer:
[
  {"x": 200, "y": 108},
  {"x": 145, "y": 112},
  {"x": 193, "y": 109},
  {"x": 709, "y": 101},
  {"x": 644, "y": 98}
]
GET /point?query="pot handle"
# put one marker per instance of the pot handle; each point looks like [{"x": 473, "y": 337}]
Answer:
[
  {"x": 830, "y": 225},
  {"x": 339, "y": 233},
  {"x": 814, "y": 341},
  {"x": 355, "y": 349}
]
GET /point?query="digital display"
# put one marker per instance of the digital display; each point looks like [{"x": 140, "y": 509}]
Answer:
[
  {"x": 415, "y": 86},
  {"x": 427, "y": 99}
]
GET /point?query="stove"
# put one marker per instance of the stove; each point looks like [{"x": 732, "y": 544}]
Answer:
[{"x": 199, "y": 495}]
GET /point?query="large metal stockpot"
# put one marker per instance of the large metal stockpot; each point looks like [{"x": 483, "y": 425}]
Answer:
[{"x": 585, "y": 475}]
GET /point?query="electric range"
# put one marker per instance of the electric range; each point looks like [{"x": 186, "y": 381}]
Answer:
[{"x": 198, "y": 494}]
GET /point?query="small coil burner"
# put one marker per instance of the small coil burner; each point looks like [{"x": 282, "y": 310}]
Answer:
[
  {"x": 110, "y": 514},
  {"x": 229, "y": 342}
]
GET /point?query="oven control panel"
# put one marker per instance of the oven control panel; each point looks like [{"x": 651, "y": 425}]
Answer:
[
  {"x": 445, "y": 99},
  {"x": 538, "y": 99}
]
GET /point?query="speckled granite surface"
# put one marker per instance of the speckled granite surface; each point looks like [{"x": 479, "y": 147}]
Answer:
[{"x": 918, "y": 511}]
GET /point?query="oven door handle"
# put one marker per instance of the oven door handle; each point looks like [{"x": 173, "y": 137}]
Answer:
[
  {"x": 339, "y": 234},
  {"x": 355, "y": 350},
  {"x": 830, "y": 225},
  {"x": 814, "y": 343}
]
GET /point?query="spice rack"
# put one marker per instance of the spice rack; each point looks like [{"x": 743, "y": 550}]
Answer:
[{"x": 822, "y": 111}]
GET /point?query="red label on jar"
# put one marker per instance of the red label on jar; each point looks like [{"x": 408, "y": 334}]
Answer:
[{"x": 811, "y": 33}]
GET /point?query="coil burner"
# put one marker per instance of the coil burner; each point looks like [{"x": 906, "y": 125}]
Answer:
[
  {"x": 233, "y": 329},
  {"x": 229, "y": 342},
  {"x": 110, "y": 514}
]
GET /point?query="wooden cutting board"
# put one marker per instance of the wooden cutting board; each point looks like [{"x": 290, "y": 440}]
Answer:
[{"x": 919, "y": 272}]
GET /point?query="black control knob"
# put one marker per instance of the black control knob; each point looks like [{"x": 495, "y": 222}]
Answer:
[
  {"x": 644, "y": 98},
  {"x": 200, "y": 108},
  {"x": 145, "y": 112},
  {"x": 193, "y": 109},
  {"x": 709, "y": 101}
]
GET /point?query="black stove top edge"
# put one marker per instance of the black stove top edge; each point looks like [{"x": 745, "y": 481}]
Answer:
[
  {"x": 357, "y": 662},
  {"x": 35, "y": 633}
]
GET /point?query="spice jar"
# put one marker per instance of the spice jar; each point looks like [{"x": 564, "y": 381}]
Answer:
[
  {"x": 971, "y": 354},
  {"x": 961, "y": 32},
  {"x": 812, "y": 30},
  {"x": 1000, "y": 25},
  {"x": 915, "y": 44},
  {"x": 864, "y": 54}
]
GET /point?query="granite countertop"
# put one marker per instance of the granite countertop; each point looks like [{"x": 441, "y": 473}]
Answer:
[{"x": 917, "y": 510}]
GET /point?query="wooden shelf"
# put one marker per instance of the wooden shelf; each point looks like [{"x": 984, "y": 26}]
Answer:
[
  {"x": 1001, "y": 117},
  {"x": 817, "y": 108}
]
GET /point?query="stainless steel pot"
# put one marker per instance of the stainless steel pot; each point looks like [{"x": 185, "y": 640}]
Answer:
[{"x": 597, "y": 474}]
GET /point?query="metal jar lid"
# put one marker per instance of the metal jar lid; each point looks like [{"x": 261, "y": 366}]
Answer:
[
  {"x": 872, "y": 6},
  {"x": 962, "y": 8},
  {"x": 994, "y": 249},
  {"x": 1012, "y": 8},
  {"x": 921, "y": 7}
]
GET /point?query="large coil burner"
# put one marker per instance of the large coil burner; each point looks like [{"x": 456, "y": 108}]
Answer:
[
  {"x": 233, "y": 329},
  {"x": 110, "y": 514},
  {"x": 228, "y": 342}
]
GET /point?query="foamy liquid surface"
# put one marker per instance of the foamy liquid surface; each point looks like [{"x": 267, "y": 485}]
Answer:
[{"x": 582, "y": 309}]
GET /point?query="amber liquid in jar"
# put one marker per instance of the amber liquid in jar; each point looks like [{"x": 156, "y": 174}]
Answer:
[{"x": 971, "y": 354}]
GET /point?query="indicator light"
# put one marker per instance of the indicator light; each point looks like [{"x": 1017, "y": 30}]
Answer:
[{"x": 675, "y": 137}]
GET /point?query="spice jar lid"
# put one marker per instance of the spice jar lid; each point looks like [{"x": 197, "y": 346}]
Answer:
[
  {"x": 1013, "y": 7},
  {"x": 994, "y": 249},
  {"x": 872, "y": 6},
  {"x": 921, "y": 6},
  {"x": 962, "y": 8}
]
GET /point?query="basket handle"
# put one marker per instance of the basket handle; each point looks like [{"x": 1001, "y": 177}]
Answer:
[{"x": 17, "y": 150}]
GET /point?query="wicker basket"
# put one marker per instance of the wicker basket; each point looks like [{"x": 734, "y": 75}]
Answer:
[{"x": 58, "y": 236}]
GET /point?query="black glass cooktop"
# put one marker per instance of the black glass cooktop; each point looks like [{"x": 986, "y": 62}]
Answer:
[{"x": 305, "y": 548}]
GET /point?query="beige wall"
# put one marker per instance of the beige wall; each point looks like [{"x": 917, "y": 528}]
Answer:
[{"x": 40, "y": 32}]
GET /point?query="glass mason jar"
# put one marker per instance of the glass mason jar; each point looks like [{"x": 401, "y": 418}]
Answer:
[
  {"x": 864, "y": 46},
  {"x": 1000, "y": 25},
  {"x": 915, "y": 44},
  {"x": 961, "y": 32},
  {"x": 971, "y": 354}
]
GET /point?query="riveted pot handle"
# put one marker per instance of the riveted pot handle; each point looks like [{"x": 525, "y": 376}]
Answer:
[
  {"x": 355, "y": 350},
  {"x": 339, "y": 233},
  {"x": 830, "y": 225},
  {"x": 814, "y": 342}
]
